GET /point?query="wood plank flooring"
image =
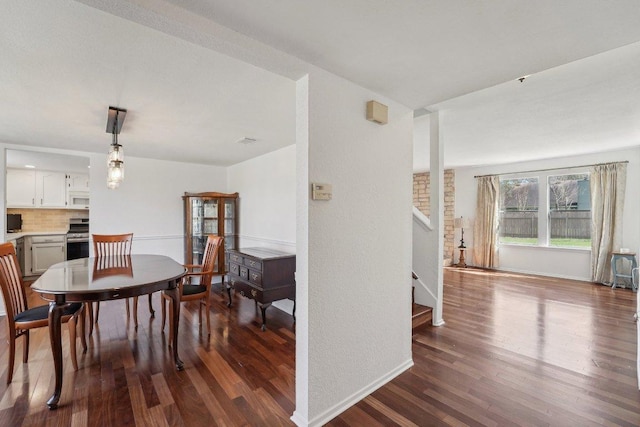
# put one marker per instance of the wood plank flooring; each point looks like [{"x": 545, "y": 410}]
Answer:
[
  {"x": 515, "y": 350},
  {"x": 241, "y": 376}
]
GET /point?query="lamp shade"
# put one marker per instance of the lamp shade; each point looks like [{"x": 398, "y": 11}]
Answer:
[
  {"x": 116, "y": 153},
  {"x": 115, "y": 174},
  {"x": 461, "y": 222}
]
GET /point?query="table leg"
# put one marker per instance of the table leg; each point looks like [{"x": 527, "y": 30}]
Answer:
[
  {"x": 174, "y": 294},
  {"x": 55, "y": 334}
]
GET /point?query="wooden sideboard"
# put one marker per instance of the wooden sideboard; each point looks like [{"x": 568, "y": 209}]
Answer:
[{"x": 262, "y": 274}]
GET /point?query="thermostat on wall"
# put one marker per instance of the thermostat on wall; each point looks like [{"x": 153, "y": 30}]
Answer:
[{"x": 320, "y": 191}]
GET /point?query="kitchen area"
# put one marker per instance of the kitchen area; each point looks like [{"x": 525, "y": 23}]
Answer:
[{"x": 47, "y": 208}]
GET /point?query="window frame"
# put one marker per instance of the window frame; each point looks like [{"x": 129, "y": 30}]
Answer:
[{"x": 544, "y": 229}]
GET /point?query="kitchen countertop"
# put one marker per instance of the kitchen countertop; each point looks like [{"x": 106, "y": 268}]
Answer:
[{"x": 15, "y": 236}]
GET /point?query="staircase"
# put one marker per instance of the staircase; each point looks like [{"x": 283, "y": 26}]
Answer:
[
  {"x": 426, "y": 252},
  {"x": 421, "y": 315}
]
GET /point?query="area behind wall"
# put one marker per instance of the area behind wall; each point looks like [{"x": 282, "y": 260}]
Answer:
[
  {"x": 421, "y": 200},
  {"x": 47, "y": 219}
]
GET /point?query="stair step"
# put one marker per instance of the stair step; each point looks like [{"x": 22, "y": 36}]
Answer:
[{"x": 421, "y": 315}]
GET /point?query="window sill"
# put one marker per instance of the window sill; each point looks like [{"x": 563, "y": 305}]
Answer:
[{"x": 550, "y": 248}]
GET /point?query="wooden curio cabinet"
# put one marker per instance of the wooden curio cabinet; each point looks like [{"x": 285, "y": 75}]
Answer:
[{"x": 210, "y": 213}]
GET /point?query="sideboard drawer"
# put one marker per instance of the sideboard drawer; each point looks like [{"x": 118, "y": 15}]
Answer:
[
  {"x": 252, "y": 263},
  {"x": 255, "y": 277},
  {"x": 235, "y": 258},
  {"x": 248, "y": 291},
  {"x": 234, "y": 269},
  {"x": 244, "y": 273}
]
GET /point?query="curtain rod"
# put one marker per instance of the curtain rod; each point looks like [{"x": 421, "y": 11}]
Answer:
[{"x": 550, "y": 169}]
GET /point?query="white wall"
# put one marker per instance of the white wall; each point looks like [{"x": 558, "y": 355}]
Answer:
[
  {"x": 149, "y": 201},
  {"x": 267, "y": 202},
  {"x": 555, "y": 262},
  {"x": 354, "y": 259}
]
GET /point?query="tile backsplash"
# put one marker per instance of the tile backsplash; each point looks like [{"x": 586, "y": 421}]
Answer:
[{"x": 47, "y": 219}]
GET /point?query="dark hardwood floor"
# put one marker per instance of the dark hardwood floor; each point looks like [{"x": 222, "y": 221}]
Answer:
[
  {"x": 515, "y": 350},
  {"x": 241, "y": 376}
]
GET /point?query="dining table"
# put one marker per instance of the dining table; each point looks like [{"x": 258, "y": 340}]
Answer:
[{"x": 106, "y": 278}]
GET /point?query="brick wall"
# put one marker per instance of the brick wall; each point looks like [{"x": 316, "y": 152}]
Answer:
[
  {"x": 47, "y": 219},
  {"x": 421, "y": 200}
]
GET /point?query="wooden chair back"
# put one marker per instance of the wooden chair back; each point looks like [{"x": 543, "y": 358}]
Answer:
[
  {"x": 211, "y": 249},
  {"x": 15, "y": 298},
  {"x": 112, "y": 244}
]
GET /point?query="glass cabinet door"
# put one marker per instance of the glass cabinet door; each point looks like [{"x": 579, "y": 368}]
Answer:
[
  {"x": 197, "y": 242},
  {"x": 209, "y": 213},
  {"x": 229, "y": 224},
  {"x": 210, "y": 218}
]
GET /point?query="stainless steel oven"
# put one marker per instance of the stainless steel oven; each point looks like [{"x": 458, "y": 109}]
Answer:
[{"x": 78, "y": 238}]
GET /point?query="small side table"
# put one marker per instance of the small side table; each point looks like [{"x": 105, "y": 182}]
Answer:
[{"x": 623, "y": 257}]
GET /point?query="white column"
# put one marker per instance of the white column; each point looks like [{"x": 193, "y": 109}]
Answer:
[{"x": 436, "y": 210}]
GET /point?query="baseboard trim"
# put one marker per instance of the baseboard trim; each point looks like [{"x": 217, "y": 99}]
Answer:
[
  {"x": 345, "y": 404},
  {"x": 545, "y": 274}
]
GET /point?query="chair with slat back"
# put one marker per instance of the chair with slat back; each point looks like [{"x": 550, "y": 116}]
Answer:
[
  {"x": 105, "y": 245},
  {"x": 21, "y": 318},
  {"x": 200, "y": 291}
]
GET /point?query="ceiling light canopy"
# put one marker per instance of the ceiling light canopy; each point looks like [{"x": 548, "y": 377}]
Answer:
[
  {"x": 246, "y": 140},
  {"x": 115, "y": 159}
]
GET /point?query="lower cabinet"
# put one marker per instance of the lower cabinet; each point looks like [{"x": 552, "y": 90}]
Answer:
[
  {"x": 43, "y": 252},
  {"x": 20, "y": 253},
  {"x": 262, "y": 274}
]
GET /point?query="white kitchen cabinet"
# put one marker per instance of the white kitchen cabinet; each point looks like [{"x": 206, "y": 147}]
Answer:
[
  {"x": 21, "y": 188},
  {"x": 43, "y": 252},
  {"x": 77, "y": 182},
  {"x": 36, "y": 189},
  {"x": 51, "y": 189}
]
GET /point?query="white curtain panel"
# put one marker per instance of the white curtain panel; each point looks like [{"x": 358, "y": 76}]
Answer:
[
  {"x": 608, "y": 184},
  {"x": 485, "y": 231}
]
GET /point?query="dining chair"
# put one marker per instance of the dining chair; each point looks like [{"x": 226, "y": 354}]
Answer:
[
  {"x": 21, "y": 319},
  {"x": 105, "y": 245},
  {"x": 199, "y": 291}
]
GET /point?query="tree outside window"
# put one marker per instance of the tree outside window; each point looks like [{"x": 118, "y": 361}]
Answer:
[
  {"x": 569, "y": 210},
  {"x": 519, "y": 211}
]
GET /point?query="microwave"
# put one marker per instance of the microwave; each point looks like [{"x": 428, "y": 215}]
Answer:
[
  {"x": 78, "y": 200},
  {"x": 14, "y": 223}
]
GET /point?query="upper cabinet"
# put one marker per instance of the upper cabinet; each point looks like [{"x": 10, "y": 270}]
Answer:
[
  {"x": 78, "y": 182},
  {"x": 41, "y": 189},
  {"x": 21, "y": 188},
  {"x": 51, "y": 189}
]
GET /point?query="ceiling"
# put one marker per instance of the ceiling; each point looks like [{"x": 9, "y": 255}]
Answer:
[{"x": 198, "y": 75}]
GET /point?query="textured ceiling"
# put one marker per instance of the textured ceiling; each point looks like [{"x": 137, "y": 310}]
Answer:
[{"x": 198, "y": 75}]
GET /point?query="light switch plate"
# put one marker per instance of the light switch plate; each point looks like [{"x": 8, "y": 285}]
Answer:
[{"x": 321, "y": 191}]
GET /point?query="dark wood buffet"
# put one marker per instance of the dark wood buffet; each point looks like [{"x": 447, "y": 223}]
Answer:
[{"x": 262, "y": 274}]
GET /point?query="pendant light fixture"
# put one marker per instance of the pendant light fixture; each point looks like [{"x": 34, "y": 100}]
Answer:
[{"x": 115, "y": 159}]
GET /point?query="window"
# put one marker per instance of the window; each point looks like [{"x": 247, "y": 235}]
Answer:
[
  {"x": 569, "y": 210},
  {"x": 519, "y": 211},
  {"x": 566, "y": 199}
]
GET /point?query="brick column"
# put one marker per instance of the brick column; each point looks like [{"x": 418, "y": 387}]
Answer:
[{"x": 421, "y": 196}]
